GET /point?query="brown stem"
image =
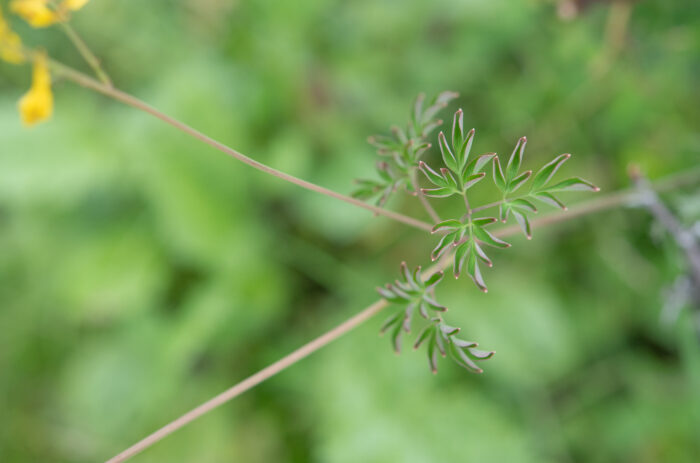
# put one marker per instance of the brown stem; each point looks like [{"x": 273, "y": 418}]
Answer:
[
  {"x": 684, "y": 239},
  {"x": 86, "y": 53},
  {"x": 92, "y": 84},
  {"x": 426, "y": 204},
  {"x": 613, "y": 200},
  {"x": 607, "y": 202}
]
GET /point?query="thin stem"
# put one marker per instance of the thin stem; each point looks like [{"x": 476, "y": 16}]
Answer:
[
  {"x": 466, "y": 204},
  {"x": 90, "y": 83},
  {"x": 86, "y": 53},
  {"x": 684, "y": 238},
  {"x": 615, "y": 199},
  {"x": 606, "y": 202},
  {"x": 488, "y": 206},
  {"x": 253, "y": 380},
  {"x": 426, "y": 204}
]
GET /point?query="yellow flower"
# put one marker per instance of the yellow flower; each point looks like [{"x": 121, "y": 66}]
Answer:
[
  {"x": 10, "y": 43},
  {"x": 36, "y": 12},
  {"x": 74, "y": 4},
  {"x": 37, "y": 104}
]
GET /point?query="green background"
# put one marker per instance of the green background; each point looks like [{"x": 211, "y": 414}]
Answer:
[{"x": 142, "y": 272}]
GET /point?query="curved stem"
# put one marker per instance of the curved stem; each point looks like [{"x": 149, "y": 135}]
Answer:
[
  {"x": 607, "y": 202},
  {"x": 86, "y": 53},
  {"x": 426, "y": 204},
  {"x": 92, "y": 84}
]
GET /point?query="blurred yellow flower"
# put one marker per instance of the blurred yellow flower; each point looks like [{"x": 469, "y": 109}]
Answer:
[
  {"x": 36, "y": 12},
  {"x": 10, "y": 43},
  {"x": 37, "y": 104},
  {"x": 74, "y": 4}
]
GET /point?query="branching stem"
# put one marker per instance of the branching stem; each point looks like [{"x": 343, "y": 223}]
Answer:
[
  {"x": 86, "y": 53},
  {"x": 426, "y": 204},
  {"x": 92, "y": 84},
  {"x": 606, "y": 202}
]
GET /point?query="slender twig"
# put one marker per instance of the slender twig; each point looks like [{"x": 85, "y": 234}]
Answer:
[
  {"x": 424, "y": 201},
  {"x": 466, "y": 204},
  {"x": 683, "y": 238},
  {"x": 488, "y": 206},
  {"x": 607, "y": 202},
  {"x": 613, "y": 200},
  {"x": 92, "y": 84},
  {"x": 86, "y": 53}
]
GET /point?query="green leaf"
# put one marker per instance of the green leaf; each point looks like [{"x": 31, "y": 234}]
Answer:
[
  {"x": 437, "y": 192},
  {"x": 417, "y": 275},
  {"x": 463, "y": 344},
  {"x": 458, "y": 130},
  {"x": 447, "y": 156},
  {"x": 518, "y": 181},
  {"x": 384, "y": 171},
  {"x": 433, "y": 280},
  {"x": 480, "y": 354},
  {"x": 472, "y": 180},
  {"x": 475, "y": 273},
  {"x": 396, "y": 337},
  {"x": 440, "y": 343},
  {"x": 423, "y": 309},
  {"x": 438, "y": 103},
  {"x": 481, "y": 254},
  {"x": 460, "y": 256},
  {"x": 521, "y": 203},
  {"x": 434, "y": 177},
  {"x": 463, "y": 360},
  {"x": 442, "y": 245},
  {"x": 498, "y": 177},
  {"x": 549, "y": 199},
  {"x": 408, "y": 276},
  {"x": 488, "y": 238},
  {"x": 547, "y": 171},
  {"x": 523, "y": 222},
  {"x": 573, "y": 184},
  {"x": 484, "y": 221},
  {"x": 433, "y": 304},
  {"x": 516, "y": 159},
  {"x": 477, "y": 164},
  {"x": 423, "y": 335},
  {"x": 408, "y": 316},
  {"x": 388, "y": 294},
  {"x": 464, "y": 149},
  {"x": 432, "y": 354},
  {"x": 450, "y": 224},
  {"x": 417, "y": 116},
  {"x": 451, "y": 180},
  {"x": 390, "y": 321}
]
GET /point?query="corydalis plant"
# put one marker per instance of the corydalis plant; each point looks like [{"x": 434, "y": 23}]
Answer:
[{"x": 467, "y": 236}]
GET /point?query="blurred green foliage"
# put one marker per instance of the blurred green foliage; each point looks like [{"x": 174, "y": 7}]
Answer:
[{"x": 142, "y": 272}]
